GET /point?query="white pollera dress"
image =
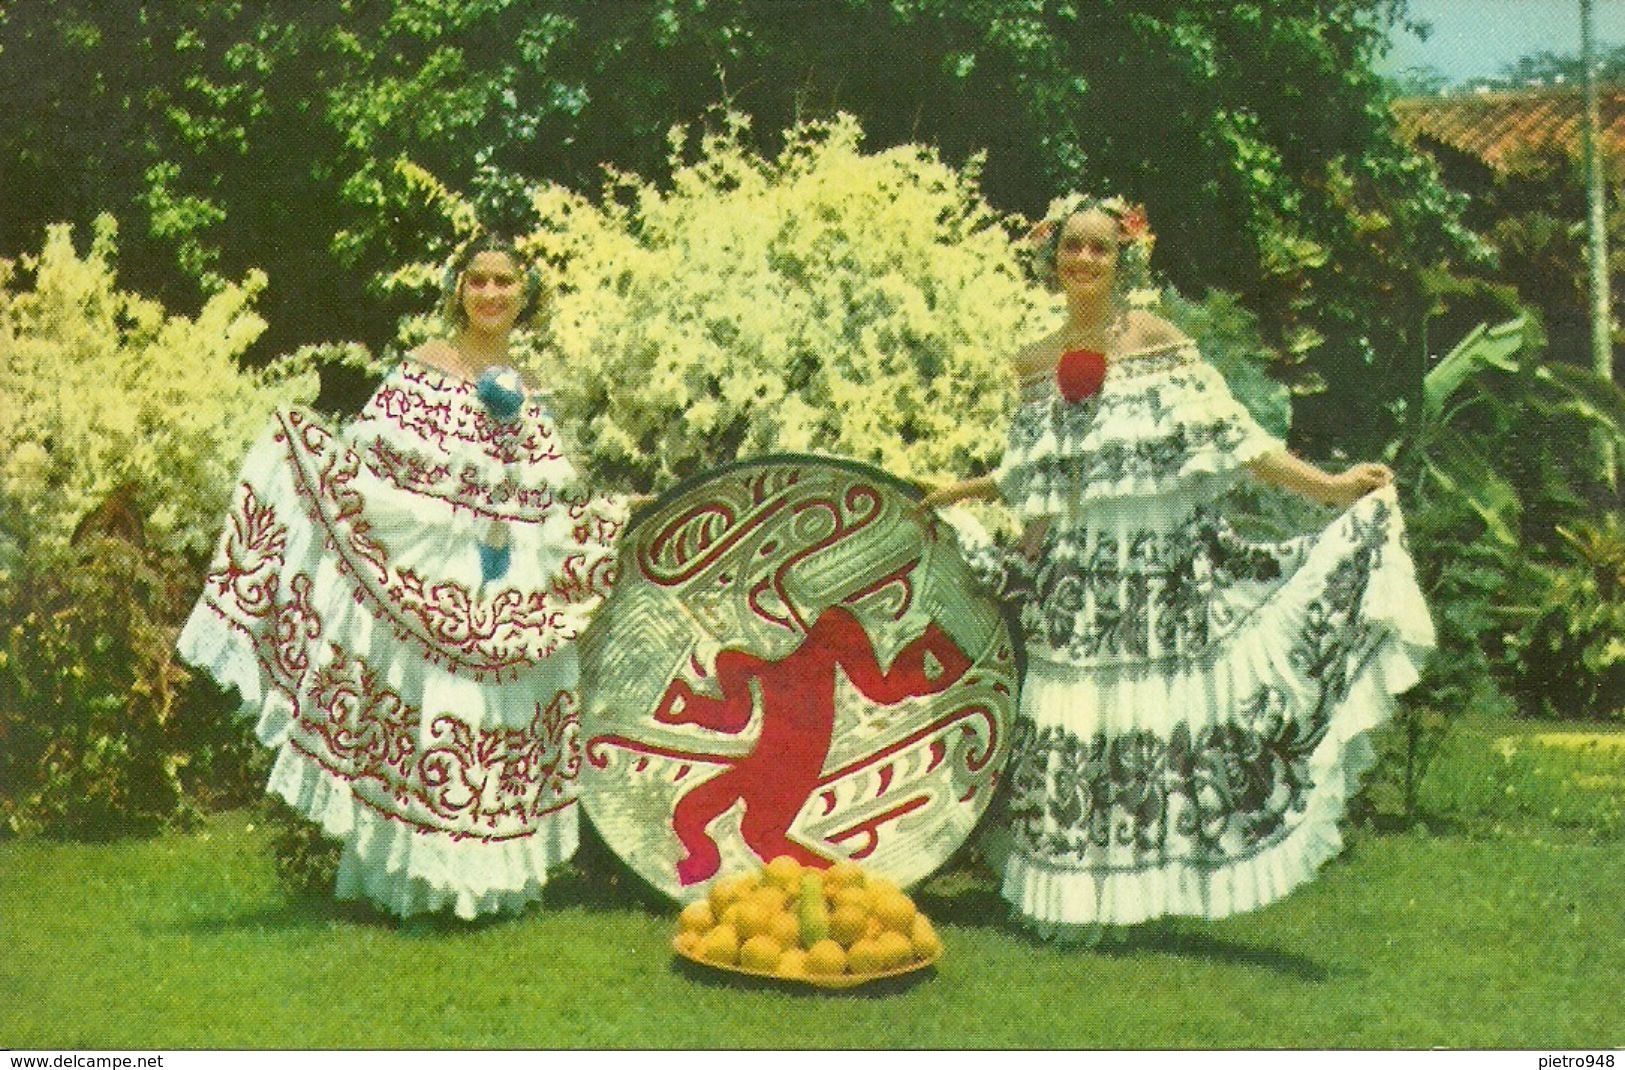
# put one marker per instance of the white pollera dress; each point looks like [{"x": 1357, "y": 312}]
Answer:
[
  {"x": 1196, "y": 708},
  {"x": 421, "y": 713}
]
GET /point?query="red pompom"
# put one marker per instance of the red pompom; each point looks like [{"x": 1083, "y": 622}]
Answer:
[{"x": 1079, "y": 374}]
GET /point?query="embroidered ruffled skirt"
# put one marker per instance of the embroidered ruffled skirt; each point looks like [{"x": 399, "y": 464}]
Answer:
[
  {"x": 420, "y": 701},
  {"x": 1196, "y": 708}
]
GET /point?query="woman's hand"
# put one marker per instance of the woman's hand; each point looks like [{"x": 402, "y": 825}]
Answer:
[{"x": 1350, "y": 486}]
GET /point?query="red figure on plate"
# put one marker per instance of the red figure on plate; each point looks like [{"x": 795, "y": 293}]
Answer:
[{"x": 798, "y": 719}]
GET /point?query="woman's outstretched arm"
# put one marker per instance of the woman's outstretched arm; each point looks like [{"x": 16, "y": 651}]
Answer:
[
  {"x": 983, "y": 488},
  {"x": 1300, "y": 477}
]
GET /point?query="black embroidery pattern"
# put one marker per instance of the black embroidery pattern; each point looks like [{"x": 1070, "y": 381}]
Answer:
[
  {"x": 1215, "y": 795},
  {"x": 1142, "y": 393},
  {"x": 1098, "y": 603},
  {"x": 1149, "y": 459}
]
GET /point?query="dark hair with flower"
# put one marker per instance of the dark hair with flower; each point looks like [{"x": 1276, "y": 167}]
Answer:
[
  {"x": 451, "y": 306},
  {"x": 1134, "y": 238}
]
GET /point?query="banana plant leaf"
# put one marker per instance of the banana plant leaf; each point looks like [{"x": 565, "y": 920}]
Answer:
[
  {"x": 1587, "y": 395},
  {"x": 1457, "y": 465},
  {"x": 1484, "y": 346}
]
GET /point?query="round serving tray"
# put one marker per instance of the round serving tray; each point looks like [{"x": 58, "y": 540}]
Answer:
[{"x": 840, "y": 980}]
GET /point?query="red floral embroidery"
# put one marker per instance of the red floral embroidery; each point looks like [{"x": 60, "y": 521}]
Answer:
[
  {"x": 498, "y": 634},
  {"x": 250, "y": 580},
  {"x": 253, "y": 545},
  {"x": 494, "y": 784},
  {"x": 506, "y": 499},
  {"x": 488, "y": 783},
  {"x": 1079, "y": 374}
]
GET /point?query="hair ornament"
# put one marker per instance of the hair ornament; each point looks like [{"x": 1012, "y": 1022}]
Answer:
[
  {"x": 1133, "y": 226},
  {"x": 1134, "y": 237}
]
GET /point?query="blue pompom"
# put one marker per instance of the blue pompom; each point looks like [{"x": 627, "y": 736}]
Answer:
[
  {"x": 493, "y": 562},
  {"x": 502, "y": 392}
]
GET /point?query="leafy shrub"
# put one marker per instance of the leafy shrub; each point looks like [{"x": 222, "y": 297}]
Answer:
[
  {"x": 307, "y": 860},
  {"x": 1229, "y": 338},
  {"x": 1499, "y": 446},
  {"x": 121, "y": 429},
  {"x": 102, "y": 389},
  {"x": 89, "y": 692},
  {"x": 1568, "y": 649}
]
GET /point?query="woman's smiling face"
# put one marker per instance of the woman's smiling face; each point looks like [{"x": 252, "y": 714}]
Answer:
[
  {"x": 1086, "y": 255},
  {"x": 492, "y": 292}
]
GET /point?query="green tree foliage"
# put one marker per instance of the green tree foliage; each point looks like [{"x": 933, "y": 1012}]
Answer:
[
  {"x": 1497, "y": 464},
  {"x": 1568, "y": 643},
  {"x": 270, "y": 133},
  {"x": 1558, "y": 68},
  {"x": 90, "y": 740},
  {"x": 1533, "y": 219}
]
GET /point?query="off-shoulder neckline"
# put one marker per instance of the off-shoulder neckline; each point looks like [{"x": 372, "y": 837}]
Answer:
[
  {"x": 1132, "y": 354},
  {"x": 445, "y": 373},
  {"x": 532, "y": 391}
]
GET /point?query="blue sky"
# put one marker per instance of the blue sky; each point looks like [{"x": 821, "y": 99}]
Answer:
[{"x": 1473, "y": 38}]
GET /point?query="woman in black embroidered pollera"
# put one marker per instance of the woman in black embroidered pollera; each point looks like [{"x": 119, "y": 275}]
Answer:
[
  {"x": 1196, "y": 708},
  {"x": 395, "y": 601}
]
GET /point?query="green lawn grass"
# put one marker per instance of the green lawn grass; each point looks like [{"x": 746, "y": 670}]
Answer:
[{"x": 1498, "y": 924}]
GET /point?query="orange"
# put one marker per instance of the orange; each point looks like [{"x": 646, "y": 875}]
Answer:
[
  {"x": 697, "y": 917},
  {"x": 753, "y": 917},
  {"x": 785, "y": 929},
  {"x": 851, "y": 897},
  {"x": 894, "y": 911},
  {"x": 895, "y": 950},
  {"x": 771, "y": 896},
  {"x": 927, "y": 944},
  {"x": 688, "y": 942},
  {"x": 725, "y": 892},
  {"x": 785, "y": 873},
  {"x": 825, "y": 959},
  {"x": 720, "y": 945},
  {"x": 865, "y": 956},
  {"x": 878, "y": 888},
  {"x": 843, "y": 875},
  {"x": 793, "y": 963},
  {"x": 760, "y": 953},
  {"x": 847, "y": 924}
]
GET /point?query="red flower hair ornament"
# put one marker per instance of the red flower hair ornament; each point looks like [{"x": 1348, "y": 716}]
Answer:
[{"x": 1134, "y": 236}]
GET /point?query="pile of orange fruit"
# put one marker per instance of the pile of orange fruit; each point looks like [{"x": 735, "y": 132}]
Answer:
[{"x": 804, "y": 924}]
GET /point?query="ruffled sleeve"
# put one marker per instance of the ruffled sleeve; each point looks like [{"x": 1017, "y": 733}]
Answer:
[{"x": 1164, "y": 424}]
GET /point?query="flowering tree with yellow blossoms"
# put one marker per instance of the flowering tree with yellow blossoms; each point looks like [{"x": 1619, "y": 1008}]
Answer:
[
  {"x": 112, "y": 406},
  {"x": 101, "y": 388},
  {"x": 829, "y": 300},
  {"x": 826, "y": 300}
]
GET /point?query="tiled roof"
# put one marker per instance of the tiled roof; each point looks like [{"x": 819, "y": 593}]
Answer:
[{"x": 1506, "y": 129}]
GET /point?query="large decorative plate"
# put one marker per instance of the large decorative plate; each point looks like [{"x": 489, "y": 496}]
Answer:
[{"x": 796, "y": 661}]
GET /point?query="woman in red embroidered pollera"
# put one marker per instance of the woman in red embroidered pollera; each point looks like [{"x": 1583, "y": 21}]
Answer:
[
  {"x": 395, "y": 602},
  {"x": 1196, "y": 708}
]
